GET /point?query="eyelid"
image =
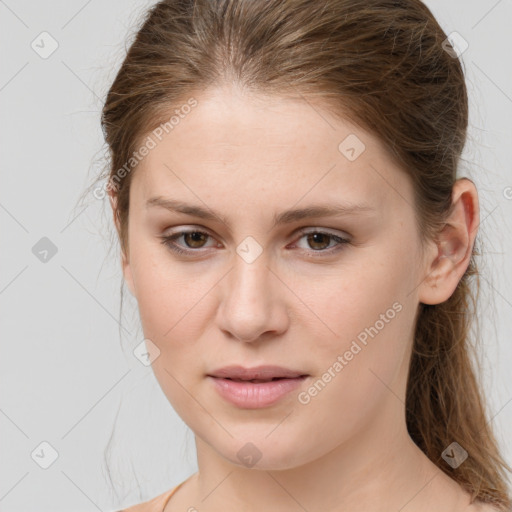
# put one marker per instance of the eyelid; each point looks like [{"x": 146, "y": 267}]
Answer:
[
  {"x": 191, "y": 229},
  {"x": 307, "y": 230}
]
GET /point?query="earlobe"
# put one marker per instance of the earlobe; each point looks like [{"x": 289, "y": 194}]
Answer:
[{"x": 453, "y": 246}]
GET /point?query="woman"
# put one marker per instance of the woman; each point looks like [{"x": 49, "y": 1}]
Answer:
[{"x": 284, "y": 185}]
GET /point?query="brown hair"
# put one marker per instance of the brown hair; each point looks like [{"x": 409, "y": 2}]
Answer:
[{"x": 381, "y": 64}]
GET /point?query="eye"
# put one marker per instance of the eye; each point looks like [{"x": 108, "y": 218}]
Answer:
[
  {"x": 194, "y": 239},
  {"x": 319, "y": 241}
]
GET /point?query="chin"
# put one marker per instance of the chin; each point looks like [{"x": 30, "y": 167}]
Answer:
[{"x": 263, "y": 453}]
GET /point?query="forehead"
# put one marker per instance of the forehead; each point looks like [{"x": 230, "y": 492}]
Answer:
[{"x": 233, "y": 145}]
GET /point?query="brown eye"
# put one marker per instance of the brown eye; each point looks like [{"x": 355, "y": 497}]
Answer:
[
  {"x": 191, "y": 240},
  {"x": 318, "y": 241},
  {"x": 194, "y": 239},
  {"x": 321, "y": 243}
]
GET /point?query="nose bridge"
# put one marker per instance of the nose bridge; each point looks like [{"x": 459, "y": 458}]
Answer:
[
  {"x": 250, "y": 278},
  {"x": 249, "y": 306}
]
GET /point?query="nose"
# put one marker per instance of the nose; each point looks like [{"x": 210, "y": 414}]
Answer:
[{"x": 252, "y": 302}]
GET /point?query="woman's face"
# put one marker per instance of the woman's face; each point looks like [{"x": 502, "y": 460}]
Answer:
[{"x": 250, "y": 292}]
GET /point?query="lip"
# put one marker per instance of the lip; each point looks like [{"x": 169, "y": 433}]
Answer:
[
  {"x": 255, "y": 395},
  {"x": 257, "y": 372},
  {"x": 251, "y": 395}
]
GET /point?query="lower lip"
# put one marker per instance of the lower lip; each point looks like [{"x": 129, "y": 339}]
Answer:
[{"x": 255, "y": 395}]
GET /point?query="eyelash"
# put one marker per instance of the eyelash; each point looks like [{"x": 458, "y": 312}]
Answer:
[{"x": 168, "y": 241}]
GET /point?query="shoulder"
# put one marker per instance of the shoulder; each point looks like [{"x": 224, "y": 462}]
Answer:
[
  {"x": 480, "y": 506},
  {"x": 155, "y": 504}
]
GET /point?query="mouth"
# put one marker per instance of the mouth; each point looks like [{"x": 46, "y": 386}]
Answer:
[
  {"x": 256, "y": 393},
  {"x": 259, "y": 381},
  {"x": 259, "y": 374}
]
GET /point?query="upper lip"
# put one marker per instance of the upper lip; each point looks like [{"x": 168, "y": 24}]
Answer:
[{"x": 258, "y": 372}]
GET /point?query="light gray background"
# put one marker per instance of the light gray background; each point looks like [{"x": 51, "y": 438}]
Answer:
[{"x": 64, "y": 376}]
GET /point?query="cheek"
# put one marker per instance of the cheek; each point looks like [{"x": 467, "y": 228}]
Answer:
[
  {"x": 366, "y": 318},
  {"x": 351, "y": 299},
  {"x": 358, "y": 371},
  {"x": 171, "y": 305},
  {"x": 168, "y": 296}
]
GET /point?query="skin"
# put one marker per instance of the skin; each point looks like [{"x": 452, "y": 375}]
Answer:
[{"x": 248, "y": 157}]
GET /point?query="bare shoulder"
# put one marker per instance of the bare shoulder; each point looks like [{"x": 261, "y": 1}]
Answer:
[
  {"x": 481, "y": 506},
  {"x": 155, "y": 504}
]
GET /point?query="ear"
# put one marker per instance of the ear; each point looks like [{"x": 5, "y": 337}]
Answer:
[
  {"x": 451, "y": 252},
  {"x": 125, "y": 262}
]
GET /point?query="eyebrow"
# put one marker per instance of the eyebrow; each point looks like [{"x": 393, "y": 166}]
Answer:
[{"x": 286, "y": 217}]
